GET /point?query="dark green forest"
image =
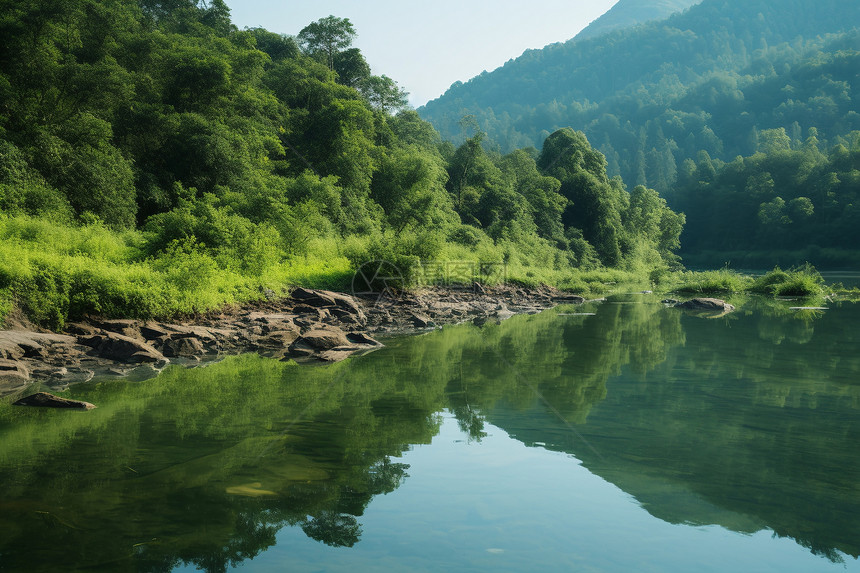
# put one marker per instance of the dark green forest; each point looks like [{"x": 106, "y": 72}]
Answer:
[
  {"x": 724, "y": 79},
  {"x": 156, "y": 159}
]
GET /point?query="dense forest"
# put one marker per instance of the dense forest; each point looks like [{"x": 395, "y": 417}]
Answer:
[
  {"x": 724, "y": 79},
  {"x": 155, "y": 159}
]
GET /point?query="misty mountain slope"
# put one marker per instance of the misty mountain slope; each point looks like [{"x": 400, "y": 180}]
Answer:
[
  {"x": 628, "y": 13},
  {"x": 649, "y": 97}
]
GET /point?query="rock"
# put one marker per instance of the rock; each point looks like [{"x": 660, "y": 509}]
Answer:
[
  {"x": 20, "y": 344},
  {"x": 314, "y": 298},
  {"x": 324, "y": 338},
  {"x": 420, "y": 321},
  {"x": 362, "y": 338},
  {"x": 122, "y": 348},
  {"x": 81, "y": 329},
  {"x": 13, "y": 373},
  {"x": 324, "y": 298},
  {"x": 128, "y": 328},
  {"x": 278, "y": 338},
  {"x": 154, "y": 331},
  {"x": 706, "y": 304},
  {"x": 45, "y": 400},
  {"x": 184, "y": 346},
  {"x": 670, "y": 301}
]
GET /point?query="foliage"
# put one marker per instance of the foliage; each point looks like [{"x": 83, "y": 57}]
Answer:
[
  {"x": 723, "y": 77},
  {"x": 801, "y": 199},
  {"x": 804, "y": 281},
  {"x": 212, "y": 163}
]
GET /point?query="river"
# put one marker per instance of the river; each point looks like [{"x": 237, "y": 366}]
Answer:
[{"x": 614, "y": 436}]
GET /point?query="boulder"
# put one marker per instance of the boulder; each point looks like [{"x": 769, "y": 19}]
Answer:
[
  {"x": 324, "y": 298},
  {"x": 705, "y": 305},
  {"x": 420, "y": 321},
  {"x": 324, "y": 338},
  {"x": 128, "y": 328},
  {"x": 45, "y": 400},
  {"x": 362, "y": 338},
  {"x": 278, "y": 338},
  {"x": 13, "y": 373},
  {"x": 314, "y": 298},
  {"x": 184, "y": 346},
  {"x": 122, "y": 348},
  {"x": 154, "y": 331},
  {"x": 20, "y": 344}
]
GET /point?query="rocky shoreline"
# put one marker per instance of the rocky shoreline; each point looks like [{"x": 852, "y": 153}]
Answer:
[{"x": 308, "y": 326}]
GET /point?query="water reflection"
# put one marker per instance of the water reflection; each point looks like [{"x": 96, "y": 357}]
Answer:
[{"x": 748, "y": 421}]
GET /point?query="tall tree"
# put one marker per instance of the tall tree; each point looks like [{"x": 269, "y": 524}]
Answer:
[{"x": 326, "y": 37}]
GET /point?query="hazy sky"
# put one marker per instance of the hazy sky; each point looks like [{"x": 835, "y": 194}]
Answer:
[{"x": 427, "y": 46}]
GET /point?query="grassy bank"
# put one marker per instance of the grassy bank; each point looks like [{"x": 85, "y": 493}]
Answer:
[
  {"x": 803, "y": 281},
  {"x": 58, "y": 273}
]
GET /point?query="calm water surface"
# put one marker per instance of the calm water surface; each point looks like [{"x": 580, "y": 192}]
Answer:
[{"x": 622, "y": 436}]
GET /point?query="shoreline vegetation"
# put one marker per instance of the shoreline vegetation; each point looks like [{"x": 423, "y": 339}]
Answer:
[
  {"x": 55, "y": 274},
  {"x": 158, "y": 163}
]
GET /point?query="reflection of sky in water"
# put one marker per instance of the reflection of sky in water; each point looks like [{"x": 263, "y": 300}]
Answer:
[{"x": 498, "y": 505}]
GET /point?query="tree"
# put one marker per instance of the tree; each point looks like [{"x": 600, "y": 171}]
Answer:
[
  {"x": 351, "y": 67},
  {"x": 384, "y": 94},
  {"x": 326, "y": 37}
]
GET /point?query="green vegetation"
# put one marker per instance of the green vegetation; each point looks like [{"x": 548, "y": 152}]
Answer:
[
  {"x": 668, "y": 103},
  {"x": 800, "y": 199},
  {"x": 156, "y": 160},
  {"x": 802, "y": 281}
]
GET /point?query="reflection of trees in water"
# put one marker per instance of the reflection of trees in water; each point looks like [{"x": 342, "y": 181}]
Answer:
[
  {"x": 740, "y": 427},
  {"x": 334, "y": 529},
  {"x": 204, "y": 467}
]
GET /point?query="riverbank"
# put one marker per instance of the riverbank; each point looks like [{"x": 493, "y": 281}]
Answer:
[{"x": 306, "y": 326}]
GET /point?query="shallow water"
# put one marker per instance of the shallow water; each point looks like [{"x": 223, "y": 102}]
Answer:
[{"x": 637, "y": 438}]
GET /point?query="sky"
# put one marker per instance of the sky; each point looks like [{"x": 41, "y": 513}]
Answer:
[{"x": 427, "y": 46}]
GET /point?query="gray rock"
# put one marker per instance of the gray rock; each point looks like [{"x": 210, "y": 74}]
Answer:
[
  {"x": 278, "y": 338},
  {"x": 154, "y": 331},
  {"x": 420, "y": 321},
  {"x": 122, "y": 348},
  {"x": 324, "y": 338},
  {"x": 13, "y": 374},
  {"x": 183, "y": 346},
  {"x": 45, "y": 400},
  {"x": 706, "y": 305},
  {"x": 362, "y": 338},
  {"x": 128, "y": 328}
]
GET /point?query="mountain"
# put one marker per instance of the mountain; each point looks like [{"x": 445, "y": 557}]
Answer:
[
  {"x": 628, "y": 13},
  {"x": 708, "y": 80}
]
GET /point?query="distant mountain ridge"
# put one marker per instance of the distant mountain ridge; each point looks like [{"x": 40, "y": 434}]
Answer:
[
  {"x": 707, "y": 80},
  {"x": 628, "y": 13}
]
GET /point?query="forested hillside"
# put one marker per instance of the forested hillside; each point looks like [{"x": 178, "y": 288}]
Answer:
[
  {"x": 155, "y": 159},
  {"x": 627, "y": 13},
  {"x": 779, "y": 205},
  {"x": 710, "y": 79}
]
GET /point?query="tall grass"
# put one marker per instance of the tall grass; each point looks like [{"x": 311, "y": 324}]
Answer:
[
  {"x": 57, "y": 273},
  {"x": 802, "y": 281}
]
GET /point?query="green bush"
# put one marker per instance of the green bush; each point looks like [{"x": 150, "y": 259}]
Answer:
[{"x": 801, "y": 281}]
